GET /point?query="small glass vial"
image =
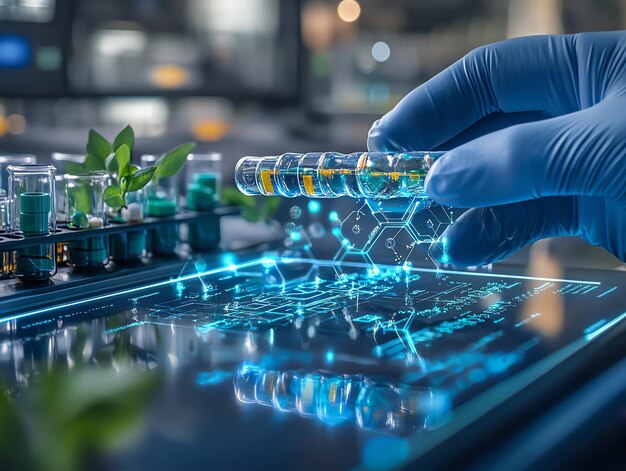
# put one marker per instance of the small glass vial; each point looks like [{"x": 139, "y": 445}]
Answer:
[
  {"x": 84, "y": 209},
  {"x": 202, "y": 188},
  {"x": 7, "y": 259},
  {"x": 163, "y": 194},
  {"x": 31, "y": 188},
  {"x": 71, "y": 164},
  {"x": 130, "y": 246},
  {"x": 66, "y": 164},
  {"x": 13, "y": 159}
]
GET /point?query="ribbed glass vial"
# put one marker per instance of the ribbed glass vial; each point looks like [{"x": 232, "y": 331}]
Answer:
[{"x": 375, "y": 175}]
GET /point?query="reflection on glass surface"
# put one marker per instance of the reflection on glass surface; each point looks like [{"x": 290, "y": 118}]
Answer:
[
  {"x": 334, "y": 398},
  {"x": 319, "y": 343}
]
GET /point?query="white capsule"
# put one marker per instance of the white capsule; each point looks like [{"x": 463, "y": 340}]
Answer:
[
  {"x": 95, "y": 221},
  {"x": 133, "y": 212}
]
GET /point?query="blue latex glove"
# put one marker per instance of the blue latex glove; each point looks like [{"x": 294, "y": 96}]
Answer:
[{"x": 537, "y": 132}]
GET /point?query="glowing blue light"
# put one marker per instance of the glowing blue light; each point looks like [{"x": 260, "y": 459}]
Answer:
[
  {"x": 15, "y": 51},
  {"x": 200, "y": 265},
  {"x": 268, "y": 262},
  {"x": 445, "y": 258},
  {"x": 211, "y": 378},
  {"x": 336, "y": 231},
  {"x": 330, "y": 356},
  {"x": 314, "y": 206},
  {"x": 385, "y": 452},
  {"x": 228, "y": 260},
  {"x": 332, "y": 263},
  {"x": 406, "y": 266},
  {"x": 333, "y": 216},
  {"x": 346, "y": 242},
  {"x": 292, "y": 260},
  {"x": 295, "y": 236},
  {"x": 604, "y": 327}
]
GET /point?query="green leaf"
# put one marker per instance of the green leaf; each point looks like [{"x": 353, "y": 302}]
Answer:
[
  {"x": 233, "y": 196},
  {"x": 251, "y": 214},
  {"x": 270, "y": 207},
  {"x": 171, "y": 162},
  {"x": 114, "y": 197},
  {"x": 122, "y": 157},
  {"x": 141, "y": 178},
  {"x": 133, "y": 169},
  {"x": 98, "y": 146},
  {"x": 94, "y": 164},
  {"x": 74, "y": 168},
  {"x": 111, "y": 164},
  {"x": 125, "y": 137},
  {"x": 82, "y": 199}
]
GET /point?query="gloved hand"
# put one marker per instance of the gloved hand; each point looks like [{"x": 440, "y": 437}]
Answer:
[{"x": 536, "y": 129}]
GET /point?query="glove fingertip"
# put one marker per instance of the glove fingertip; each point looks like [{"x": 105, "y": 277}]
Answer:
[
  {"x": 466, "y": 242},
  {"x": 442, "y": 183},
  {"x": 375, "y": 138}
]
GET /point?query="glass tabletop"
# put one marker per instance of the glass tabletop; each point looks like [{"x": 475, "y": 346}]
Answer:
[{"x": 282, "y": 362}]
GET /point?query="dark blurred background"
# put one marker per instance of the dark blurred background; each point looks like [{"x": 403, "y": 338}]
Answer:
[{"x": 243, "y": 77}]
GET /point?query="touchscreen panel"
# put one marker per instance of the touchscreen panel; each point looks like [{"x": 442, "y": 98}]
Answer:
[{"x": 291, "y": 361}]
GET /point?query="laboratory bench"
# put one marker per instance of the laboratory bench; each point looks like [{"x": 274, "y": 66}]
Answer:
[{"x": 263, "y": 358}]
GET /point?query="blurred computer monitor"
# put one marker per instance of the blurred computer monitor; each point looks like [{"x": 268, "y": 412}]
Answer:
[{"x": 233, "y": 48}]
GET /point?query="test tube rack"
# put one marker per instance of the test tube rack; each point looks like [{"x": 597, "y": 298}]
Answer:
[
  {"x": 69, "y": 285},
  {"x": 64, "y": 234}
]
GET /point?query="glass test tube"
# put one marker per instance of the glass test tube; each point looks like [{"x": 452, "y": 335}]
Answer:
[
  {"x": 375, "y": 175},
  {"x": 31, "y": 188},
  {"x": 130, "y": 246},
  {"x": 202, "y": 186},
  {"x": 65, "y": 164},
  {"x": 84, "y": 209},
  {"x": 7, "y": 258},
  {"x": 13, "y": 159},
  {"x": 162, "y": 201}
]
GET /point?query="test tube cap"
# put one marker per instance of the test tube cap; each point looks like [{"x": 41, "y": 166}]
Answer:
[
  {"x": 35, "y": 202},
  {"x": 161, "y": 207}
]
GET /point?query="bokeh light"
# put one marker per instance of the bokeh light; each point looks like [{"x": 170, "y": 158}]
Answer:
[
  {"x": 349, "y": 10},
  {"x": 381, "y": 52}
]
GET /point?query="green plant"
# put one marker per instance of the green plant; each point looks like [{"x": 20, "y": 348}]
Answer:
[
  {"x": 115, "y": 158},
  {"x": 252, "y": 209}
]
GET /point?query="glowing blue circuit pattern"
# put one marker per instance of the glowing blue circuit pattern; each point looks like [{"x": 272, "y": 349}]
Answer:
[
  {"x": 453, "y": 331},
  {"x": 371, "y": 231}
]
